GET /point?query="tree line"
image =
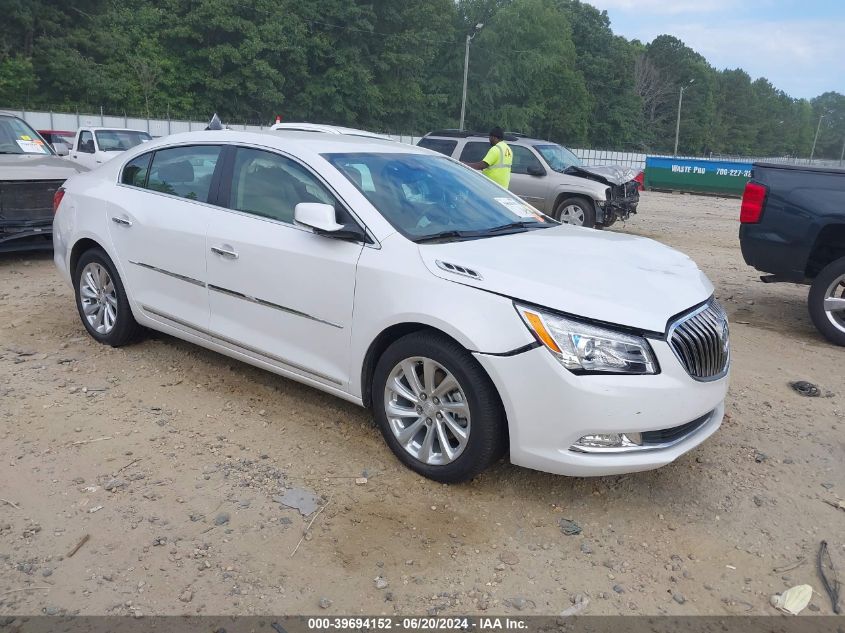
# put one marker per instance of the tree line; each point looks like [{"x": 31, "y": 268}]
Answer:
[{"x": 549, "y": 68}]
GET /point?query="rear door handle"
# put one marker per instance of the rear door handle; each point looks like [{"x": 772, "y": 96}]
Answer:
[
  {"x": 121, "y": 221},
  {"x": 224, "y": 252}
]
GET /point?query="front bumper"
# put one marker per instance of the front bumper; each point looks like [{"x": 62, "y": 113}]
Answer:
[{"x": 549, "y": 409}]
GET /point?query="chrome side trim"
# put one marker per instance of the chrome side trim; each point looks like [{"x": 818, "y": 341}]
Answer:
[
  {"x": 190, "y": 280},
  {"x": 237, "y": 295},
  {"x": 240, "y": 347},
  {"x": 268, "y": 304}
]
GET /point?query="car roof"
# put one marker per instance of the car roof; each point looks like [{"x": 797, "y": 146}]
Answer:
[
  {"x": 292, "y": 140},
  {"x": 328, "y": 129}
]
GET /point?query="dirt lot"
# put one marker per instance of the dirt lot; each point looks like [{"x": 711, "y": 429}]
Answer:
[{"x": 170, "y": 458}]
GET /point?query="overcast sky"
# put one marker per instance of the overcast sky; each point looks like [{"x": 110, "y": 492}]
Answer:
[{"x": 798, "y": 45}]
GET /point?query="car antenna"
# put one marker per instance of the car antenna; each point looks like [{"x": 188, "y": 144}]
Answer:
[{"x": 215, "y": 123}]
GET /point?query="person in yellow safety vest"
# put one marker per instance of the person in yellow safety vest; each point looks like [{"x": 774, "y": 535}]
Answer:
[{"x": 496, "y": 164}]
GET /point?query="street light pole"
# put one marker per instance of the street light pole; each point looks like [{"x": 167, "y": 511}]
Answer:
[
  {"x": 842, "y": 153},
  {"x": 816, "y": 137},
  {"x": 466, "y": 71},
  {"x": 678, "y": 122}
]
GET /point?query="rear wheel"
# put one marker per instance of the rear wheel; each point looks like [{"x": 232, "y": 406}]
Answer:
[
  {"x": 437, "y": 409},
  {"x": 101, "y": 300},
  {"x": 576, "y": 210},
  {"x": 827, "y": 302}
]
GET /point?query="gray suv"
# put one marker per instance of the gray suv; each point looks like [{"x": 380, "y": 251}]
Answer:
[{"x": 551, "y": 178}]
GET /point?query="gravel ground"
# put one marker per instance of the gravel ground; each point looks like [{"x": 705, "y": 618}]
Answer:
[{"x": 174, "y": 461}]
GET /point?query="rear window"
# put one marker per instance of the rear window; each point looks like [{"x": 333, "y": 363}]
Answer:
[
  {"x": 439, "y": 145},
  {"x": 184, "y": 171},
  {"x": 474, "y": 151},
  {"x": 135, "y": 171}
]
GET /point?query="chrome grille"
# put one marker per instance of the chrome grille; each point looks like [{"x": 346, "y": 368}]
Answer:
[{"x": 700, "y": 340}]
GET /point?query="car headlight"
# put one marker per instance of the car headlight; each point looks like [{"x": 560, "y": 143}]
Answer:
[{"x": 585, "y": 349}]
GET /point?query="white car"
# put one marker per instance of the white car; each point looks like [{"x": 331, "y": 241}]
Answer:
[{"x": 399, "y": 279}]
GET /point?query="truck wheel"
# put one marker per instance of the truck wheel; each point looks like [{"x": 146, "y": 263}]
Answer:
[
  {"x": 827, "y": 302},
  {"x": 577, "y": 211},
  {"x": 437, "y": 409}
]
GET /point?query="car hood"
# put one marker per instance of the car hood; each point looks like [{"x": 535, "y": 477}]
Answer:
[
  {"x": 605, "y": 276},
  {"x": 37, "y": 167},
  {"x": 608, "y": 174}
]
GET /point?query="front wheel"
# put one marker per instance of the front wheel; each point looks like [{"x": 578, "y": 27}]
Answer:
[
  {"x": 577, "y": 211},
  {"x": 437, "y": 409},
  {"x": 827, "y": 302},
  {"x": 101, "y": 300}
]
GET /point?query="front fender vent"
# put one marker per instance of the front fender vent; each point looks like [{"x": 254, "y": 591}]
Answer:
[{"x": 458, "y": 270}]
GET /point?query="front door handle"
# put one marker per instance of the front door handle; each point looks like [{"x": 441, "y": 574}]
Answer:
[
  {"x": 224, "y": 252},
  {"x": 121, "y": 221}
]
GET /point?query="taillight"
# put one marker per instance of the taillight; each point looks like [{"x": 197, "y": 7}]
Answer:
[
  {"x": 57, "y": 198},
  {"x": 752, "y": 203}
]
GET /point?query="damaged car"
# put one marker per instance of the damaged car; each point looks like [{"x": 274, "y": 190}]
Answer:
[
  {"x": 30, "y": 175},
  {"x": 551, "y": 178}
]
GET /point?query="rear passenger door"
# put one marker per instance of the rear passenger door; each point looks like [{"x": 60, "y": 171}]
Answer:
[
  {"x": 278, "y": 292},
  {"x": 158, "y": 225}
]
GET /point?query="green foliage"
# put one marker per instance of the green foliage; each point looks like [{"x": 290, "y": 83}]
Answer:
[{"x": 550, "y": 68}]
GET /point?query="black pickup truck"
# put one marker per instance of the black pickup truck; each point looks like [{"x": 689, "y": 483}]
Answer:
[{"x": 793, "y": 228}]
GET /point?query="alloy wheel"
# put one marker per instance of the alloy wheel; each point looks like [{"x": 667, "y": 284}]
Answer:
[
  {"x": 834, "y": 303},
  {"x": 98, "y": 296},
  {"x": 427, "y": 411},
  {"x": 572, "y": 214}
]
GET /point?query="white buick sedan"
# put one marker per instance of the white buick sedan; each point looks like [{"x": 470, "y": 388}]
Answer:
[{"x": 400, "y": 280}]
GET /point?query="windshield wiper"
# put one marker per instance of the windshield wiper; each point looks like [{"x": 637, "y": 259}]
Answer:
[
  {"x": 443, "y": 235},
  {"x": 525, "y": 224}
]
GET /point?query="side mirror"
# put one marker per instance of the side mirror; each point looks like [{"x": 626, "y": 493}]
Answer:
[
  {"x": 318, "y": 216},
  {"x": 534, "y": 170},
  {"x": 322, "y": 218},
  {"x": 61, "y": 148}
]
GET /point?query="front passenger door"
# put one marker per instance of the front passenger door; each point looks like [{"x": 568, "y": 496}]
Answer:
[
  {"x": 279, "y": 292},
  {"x": 529, "y": 179}
]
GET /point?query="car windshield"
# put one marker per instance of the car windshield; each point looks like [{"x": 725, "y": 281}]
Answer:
[
  {"x": 558, "y": 157},
  {"x": 120, "y": 140},
  {"x": 16, "y": 137},
  {"x": 429, "y": 198}
]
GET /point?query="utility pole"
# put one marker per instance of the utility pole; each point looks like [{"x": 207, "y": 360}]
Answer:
[
  {"x": 678, "y": 122},
  {"x": 842, "y": 153},
  {"x": 816, "y": 137},
  {"x": 466, "y": 71}
]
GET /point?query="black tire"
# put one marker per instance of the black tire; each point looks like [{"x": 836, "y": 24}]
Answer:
[
  {"x": 125, "y": 329},
  {"x": 487, "y": 440},
  {"x": 823, "y": 320},
  {"x": 588, "y": 209}
]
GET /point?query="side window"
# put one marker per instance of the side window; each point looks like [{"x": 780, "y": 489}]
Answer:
[
  {"x": 269, "y": 185},
  {"x": 439, "y": 145},
  {"x": 86, "y": 142},
  {"x": 474, "y": 151},
  {"x": 135, "y": 171},
  {"x": 523, "y": 158},
  {"x": 184, "y": 171}
]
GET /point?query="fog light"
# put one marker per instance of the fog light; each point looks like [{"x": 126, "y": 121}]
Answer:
[{"x": 608, "y": 440}]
